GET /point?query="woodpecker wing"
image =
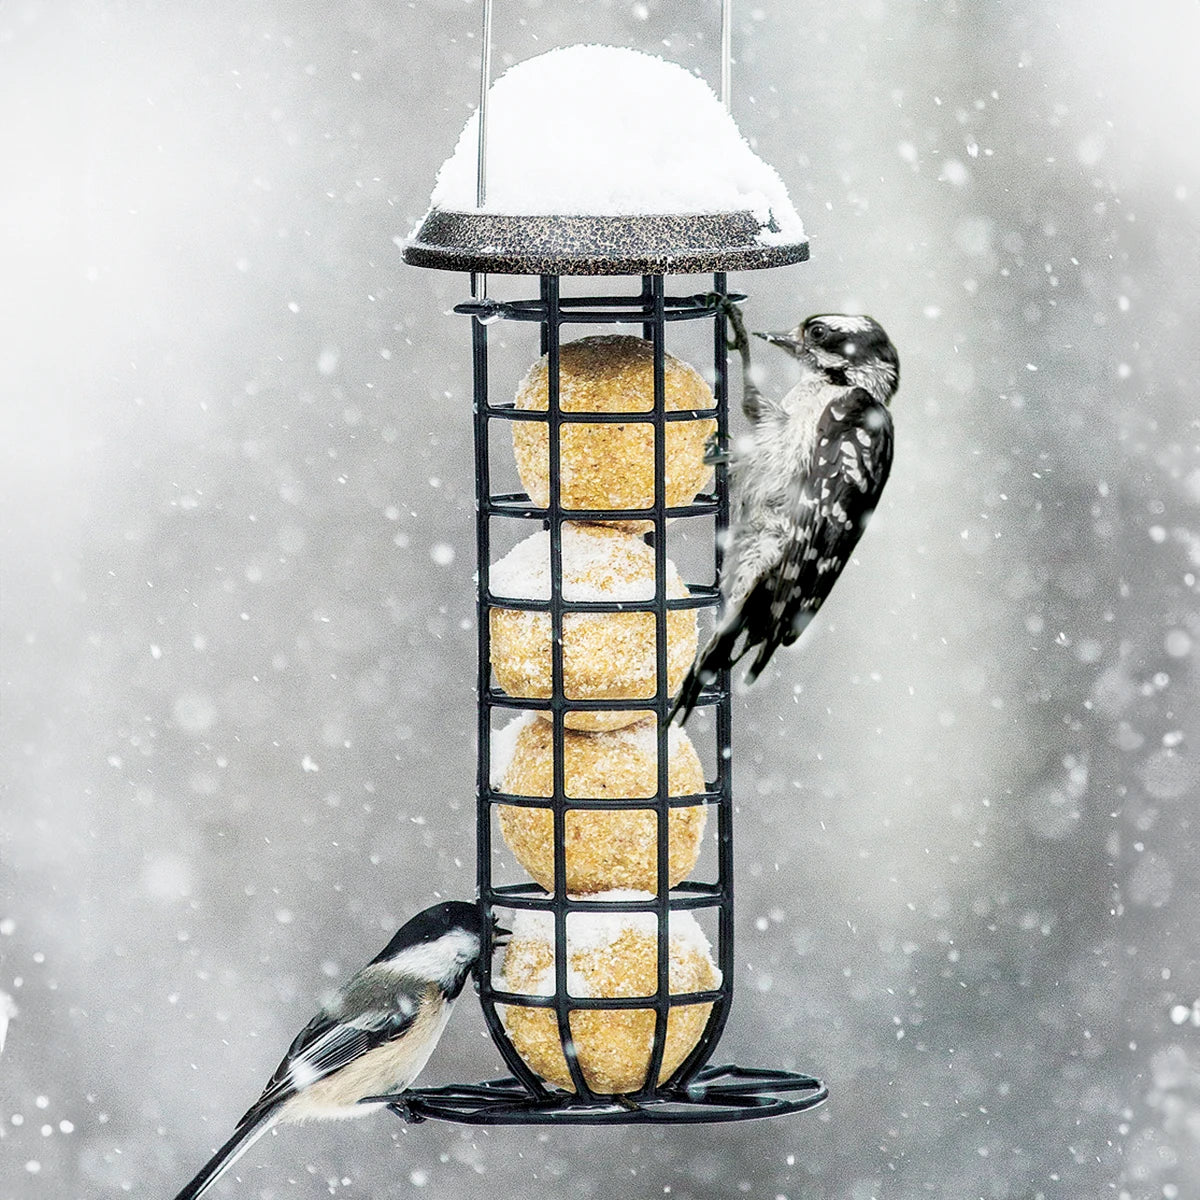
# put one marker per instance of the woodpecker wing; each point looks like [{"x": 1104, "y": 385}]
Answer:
[
  {"x": 376, "y": 1007},
  {"x": 851, "y": 463}
]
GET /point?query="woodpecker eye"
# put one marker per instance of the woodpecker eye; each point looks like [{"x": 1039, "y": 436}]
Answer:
[{"x": 817, "y": 330}]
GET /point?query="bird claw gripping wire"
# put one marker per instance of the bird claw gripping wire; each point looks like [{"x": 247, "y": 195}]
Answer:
[
  {"x": 401, "y": 1103},
  {"x": 723, "y": 302},
  {"x": 739, "y": 341},
  {"x": 403, "y": 1108},
  {"x": 729, "y": 305},
  {"x": 716, "y": 450},
  {"x": 751, "y": 396}
]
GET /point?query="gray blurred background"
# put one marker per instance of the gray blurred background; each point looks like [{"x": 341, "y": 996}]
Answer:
[{"x": 238, "y": 612}]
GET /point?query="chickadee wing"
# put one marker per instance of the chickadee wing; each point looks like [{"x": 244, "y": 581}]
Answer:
[
  {"x": 851, "y": 463},
  {"x": 372, "y": 1012}
]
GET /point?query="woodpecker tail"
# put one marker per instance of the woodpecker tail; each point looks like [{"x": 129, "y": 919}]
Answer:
[
  {"x": 717, "y": 655},
  {"x": 248, "y": 1132},
  {"x": 689, "y": 693},
  {"x": 755, "y": 669}
]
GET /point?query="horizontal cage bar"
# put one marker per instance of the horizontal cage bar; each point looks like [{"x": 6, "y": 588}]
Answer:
[
  {"x": 607, "y": 310},
  {"x": 614, "y": 1003},
  {"x": 603, "y": 803},
  {"x": 528, "y": 896},
  {"x": 707, "y": 302},
  {"x": 498, "y": 698},
  {"x": 702, "y": 596},
  {"x": 587, "y": 416},
  {"x": 517, "y": 504}
]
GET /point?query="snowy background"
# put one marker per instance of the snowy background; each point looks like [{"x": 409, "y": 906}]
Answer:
[{"x": 237, "y": 600}]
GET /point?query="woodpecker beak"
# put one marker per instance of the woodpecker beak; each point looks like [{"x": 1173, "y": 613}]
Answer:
[
  {"x": 784, "y": 341},
  {"x": 500, "y": 935}
]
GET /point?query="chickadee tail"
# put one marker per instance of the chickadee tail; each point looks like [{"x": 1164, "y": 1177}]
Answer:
[{"x": 248, "y": 1132}]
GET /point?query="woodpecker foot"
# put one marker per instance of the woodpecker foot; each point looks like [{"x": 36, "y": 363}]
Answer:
[
  {"x": 715, "y": 451},
  {"x": 738, "y": 341}
]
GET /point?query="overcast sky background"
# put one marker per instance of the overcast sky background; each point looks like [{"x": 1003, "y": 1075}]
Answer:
[{"x": 238, "y": 644}]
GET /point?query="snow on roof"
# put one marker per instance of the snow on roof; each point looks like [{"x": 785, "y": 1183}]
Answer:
[{"x": 605, "y": 131}]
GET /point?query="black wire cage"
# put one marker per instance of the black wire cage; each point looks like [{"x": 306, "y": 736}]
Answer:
[{"x": 648, "y": 250}]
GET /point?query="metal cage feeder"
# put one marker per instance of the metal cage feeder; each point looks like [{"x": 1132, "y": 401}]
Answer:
[{"x": 650, "y": 248}]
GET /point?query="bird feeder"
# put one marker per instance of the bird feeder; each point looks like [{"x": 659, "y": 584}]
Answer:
[{"x": 674, "y": 1080}]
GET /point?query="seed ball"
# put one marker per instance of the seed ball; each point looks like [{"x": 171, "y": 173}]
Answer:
[
  {"x": 608, "y": 955},
  {"x": 606, "y": 656},
  {"x": 605, "y": 848},
  {"x": 603, "y": 465}
]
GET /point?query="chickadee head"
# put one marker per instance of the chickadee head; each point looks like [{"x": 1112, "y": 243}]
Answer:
[
  {"x": 443, "y": 944},
  {"x": 849, "y": 350}
]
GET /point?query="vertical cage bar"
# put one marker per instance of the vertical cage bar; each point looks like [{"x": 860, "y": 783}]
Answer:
[
  {"x": 647, "y": 298},
  {"x": 724, "y": 715},
  {"x": 725, "y": 703},
  {"x": 552, "y": 338},
  {"x": 483, "y": 491},
  {"x": 483, "y": 813},
  {"x": 655, "y": 287}
]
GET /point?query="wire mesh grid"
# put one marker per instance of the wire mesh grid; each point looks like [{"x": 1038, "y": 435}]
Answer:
[{"x": 691, "y": 1091}]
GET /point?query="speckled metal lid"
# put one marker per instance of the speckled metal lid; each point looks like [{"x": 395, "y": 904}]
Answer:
[{"x": 651, "y": 244}]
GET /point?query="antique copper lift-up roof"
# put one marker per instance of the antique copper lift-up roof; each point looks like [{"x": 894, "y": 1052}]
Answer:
[{"x": 649, "y": 246}]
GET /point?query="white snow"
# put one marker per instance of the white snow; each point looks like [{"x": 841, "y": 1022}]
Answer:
[
  {"x": 605, "y": 130},
  {"x": 195, "y": 713},
  {"x": 504, "y": 746},
  {"x": 8, "y": 1010},
  {"x": 643, "y": 736},
  {"x": 597, "y": 930},
  {"x": 596, "y": 565}
]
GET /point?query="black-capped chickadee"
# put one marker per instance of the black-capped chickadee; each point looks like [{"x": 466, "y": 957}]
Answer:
[
  {"x": 805, "y": 480},
  {"x": 373, "y": 1038}
]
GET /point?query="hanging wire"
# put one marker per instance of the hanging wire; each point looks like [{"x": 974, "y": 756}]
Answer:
[
  {"x": 726, "y": 52},
  {"x": 479, "y": 281},
  {"x": 485, "y": 84}
]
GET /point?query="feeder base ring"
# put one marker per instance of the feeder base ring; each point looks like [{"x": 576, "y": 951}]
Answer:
[{"x": 715, "y": 1094}]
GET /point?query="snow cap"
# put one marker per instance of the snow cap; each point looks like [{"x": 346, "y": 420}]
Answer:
[{"x": 609, "y": 131}]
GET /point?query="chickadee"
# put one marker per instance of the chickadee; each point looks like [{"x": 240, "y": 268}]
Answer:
[
  {"x": 804, "y": 483},
  {"x": 373, "y": 1038}
]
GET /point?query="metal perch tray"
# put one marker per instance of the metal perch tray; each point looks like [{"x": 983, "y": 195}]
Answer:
[{"x": 714, "y": 1094}]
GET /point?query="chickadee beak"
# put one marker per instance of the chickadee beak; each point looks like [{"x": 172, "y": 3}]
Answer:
[{"x": 784, "y": 341}]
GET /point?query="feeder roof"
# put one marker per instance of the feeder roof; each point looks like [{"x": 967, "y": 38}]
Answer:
[{"x": 602, "y": 159}]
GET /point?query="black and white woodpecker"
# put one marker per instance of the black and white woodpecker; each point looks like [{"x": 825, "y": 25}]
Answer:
[
  {"x": 804, "y": 481},
  {"x": 373, "y": 1037}
]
